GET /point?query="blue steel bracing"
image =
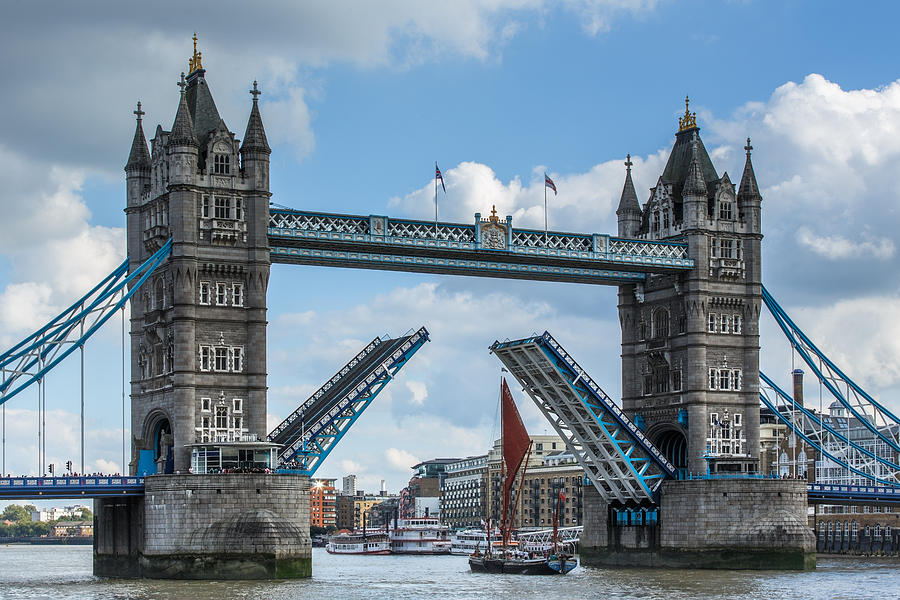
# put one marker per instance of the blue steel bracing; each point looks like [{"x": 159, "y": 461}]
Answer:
[
  {"x": 50, "y": 345},
  {"x": 812, "y": 443},
  {"x": 618, "y": 459},
  {"x": 312, "y": 432},
  {"x": 821, "y": 424},
  {"x": 795, "y": 335}
]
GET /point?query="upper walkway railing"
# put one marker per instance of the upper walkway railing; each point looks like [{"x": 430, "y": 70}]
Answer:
[
  {"x": 488, "y": 247},
  {"x": 101, "y": 486}
]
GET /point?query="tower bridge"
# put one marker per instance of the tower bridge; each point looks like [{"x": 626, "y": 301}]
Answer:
[{"x": 201, "y": 236}]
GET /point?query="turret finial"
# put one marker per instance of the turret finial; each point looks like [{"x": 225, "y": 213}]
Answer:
[
  {"x": 689, "y": 120},
  {"x": 194, "y": 63},
  {"x": 748, "y": 147},
  {"x": 255, "y": 92},
  {"x": 494, "y": 217},
  {"x": 628, "y": 162},
  {"x": 139, "y": 112},
  {"x": 181, "y": 83}
]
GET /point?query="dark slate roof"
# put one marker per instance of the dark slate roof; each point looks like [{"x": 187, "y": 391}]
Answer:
[
  {"x": 255, "y": 136},
  {"x": 140, "y": 154},
  {"x": 629, "y": 201},
  {"x": 679, "y": 162},
  {"x": 203, "y": 109},
  {"x": 694, "y": 184},
  {"x": 748, "y": 187},
  {"x": 183, "y": 127}
]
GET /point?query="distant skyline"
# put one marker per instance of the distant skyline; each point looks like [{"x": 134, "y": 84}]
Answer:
[{"x": 359, "y": 102}]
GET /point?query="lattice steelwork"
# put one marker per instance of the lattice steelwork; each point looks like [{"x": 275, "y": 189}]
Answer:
[
  {"x": 539, "y": 540},
  {"x": 378, "y": 242},
  {"x": 875, "y": 417},
  {"x": 619, "y": 460},
  {"x": 825, "y": 437},
  {"x": 313, "y": 431},
  {"x": 29, "y": 360},
  {"x": 565, "y": 241}
]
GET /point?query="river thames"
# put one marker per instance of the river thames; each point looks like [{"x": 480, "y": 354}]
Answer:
[{"x": 65, "y": 572}]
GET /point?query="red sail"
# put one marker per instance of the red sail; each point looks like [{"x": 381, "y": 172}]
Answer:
[{"x": 515, "y": 440}]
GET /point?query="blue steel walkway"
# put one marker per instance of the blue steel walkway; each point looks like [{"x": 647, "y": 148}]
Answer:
[
  {"x": 821, "y": 493},
  {"x": 38, "y": 488}
]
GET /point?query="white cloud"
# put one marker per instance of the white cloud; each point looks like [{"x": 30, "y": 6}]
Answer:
[
  {"x": 419, "y": 391},
  {"x": 400, "y": 459},
  {"x": 837, "y": 247}
]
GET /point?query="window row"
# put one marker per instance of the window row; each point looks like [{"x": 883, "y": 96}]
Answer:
[
  {"x": 237, "y": 404},
  {"x": 722, "y": 323},
  {"x": 223, "y": 359},
  {"x": 661, "y": 380},
  {"x": 222, "y": 207},
  {"x": 224, "y": 292},
  {"x": 735, "y": 419},
  {"x": 725, "y": 379},
  {"x": 726, "y": 248}
]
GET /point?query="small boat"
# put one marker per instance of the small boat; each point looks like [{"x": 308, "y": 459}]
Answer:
[{"x": 516, "y": 446}]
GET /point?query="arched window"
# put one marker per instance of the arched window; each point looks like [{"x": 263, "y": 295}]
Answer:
[
  {"x": 656, "y": 221},
  {"x": 725, "y": 210},
  {"x": 158, "y": 295},
  {"x": 222, "y": 164},
  {"x": 660, "y": 323}
]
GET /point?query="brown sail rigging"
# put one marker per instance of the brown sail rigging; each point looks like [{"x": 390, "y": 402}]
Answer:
[{"x": 516, "y": 444}]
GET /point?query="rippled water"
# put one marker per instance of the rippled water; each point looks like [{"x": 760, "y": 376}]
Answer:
[{"x": 65, "y": 572}]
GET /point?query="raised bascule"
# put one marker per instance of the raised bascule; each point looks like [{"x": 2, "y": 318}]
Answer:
[{"x": 674, "y": 468}]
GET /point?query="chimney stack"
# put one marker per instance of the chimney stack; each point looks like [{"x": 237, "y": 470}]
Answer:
[{"x": 798, "y": 386}]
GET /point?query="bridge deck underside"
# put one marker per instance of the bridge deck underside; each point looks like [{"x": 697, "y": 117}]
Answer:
[
  {"x": 621, "y": 463},
  {"x": 309, "y": 434},
  {"x": 297, "y": 237}
]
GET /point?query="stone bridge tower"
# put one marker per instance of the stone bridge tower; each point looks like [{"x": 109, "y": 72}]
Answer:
[
  {"x": 198, "y": 327},
  {"x": 690, "y": 342}
]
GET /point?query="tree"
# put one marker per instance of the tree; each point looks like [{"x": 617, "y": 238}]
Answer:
[{"x": 16, "y": 513}]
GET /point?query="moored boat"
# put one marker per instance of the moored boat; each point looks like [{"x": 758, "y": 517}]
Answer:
[
  {"x": 420, "y": 535},
  {"x": 358, "y": 543}
]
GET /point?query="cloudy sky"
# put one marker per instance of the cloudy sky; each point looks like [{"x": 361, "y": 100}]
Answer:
[{"x": 359, "y": 101}]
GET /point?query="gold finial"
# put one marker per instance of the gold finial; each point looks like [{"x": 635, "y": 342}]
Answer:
[
  {"x": 494, "y": 217},
  {"x": 194, "y": 63},
  {"x": 689, "y": 120}
]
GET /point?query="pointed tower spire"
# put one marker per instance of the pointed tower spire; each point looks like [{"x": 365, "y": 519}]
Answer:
[
  {"x": 629, "y": 211},
  {"x": 255, "y": 136},
  {"x": 139, "y": 158},
  {"x": 183, "y": 128},
  {"x": 748, "y": 189},
  {"x": 694, "y": 184}
]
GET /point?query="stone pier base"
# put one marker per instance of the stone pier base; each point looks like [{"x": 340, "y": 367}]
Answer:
[
  {"x": 708, "y": 524},
  {"x": 237, "y": 526}
]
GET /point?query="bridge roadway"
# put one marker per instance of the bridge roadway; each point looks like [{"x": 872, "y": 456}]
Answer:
[
  {"x": 40, "y": 488},
  {"x": 487, "y": 248}
]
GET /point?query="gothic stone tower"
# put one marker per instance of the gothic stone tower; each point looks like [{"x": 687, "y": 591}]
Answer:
[
  {"x": 690, "y": 342},
  {"x": 198, "y": 327}
]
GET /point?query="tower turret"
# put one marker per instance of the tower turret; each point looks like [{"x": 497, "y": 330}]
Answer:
[
  {"x": 629, "y": 211},
  {"x": 694, "y": 192},
  {"x": 137, "y": 169},
  {"x": 748, "y": 198}
]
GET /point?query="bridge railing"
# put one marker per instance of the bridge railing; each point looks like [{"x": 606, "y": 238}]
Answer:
[{"x": 407, "y": 233}]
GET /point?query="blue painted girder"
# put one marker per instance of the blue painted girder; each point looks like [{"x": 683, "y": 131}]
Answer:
[
  {"x": 311, "y": 433},
  {"x": 29, "y": 360},
  {"x": 37, "y": 488},
  {"x": 618, "y": 459}
]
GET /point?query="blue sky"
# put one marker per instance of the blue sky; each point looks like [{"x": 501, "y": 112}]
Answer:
[{"x": 359, "y": 102}]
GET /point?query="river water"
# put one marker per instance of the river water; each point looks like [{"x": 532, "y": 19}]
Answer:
[{"x": 65, "y": 572}]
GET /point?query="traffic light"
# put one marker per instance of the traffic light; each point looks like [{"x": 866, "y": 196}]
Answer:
[
  {"x": 69, "y": 465},
  {"x": 52, "y": 467}
]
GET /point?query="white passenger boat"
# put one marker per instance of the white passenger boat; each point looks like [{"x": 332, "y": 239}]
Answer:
[
  {"x": 359, "y": 543},
  {"x": 465, "y": 542},
  {"x": 420, "y": 535}
]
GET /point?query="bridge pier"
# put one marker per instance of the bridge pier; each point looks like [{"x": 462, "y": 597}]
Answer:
[
  {"x": 707, "y": 524},
  {"x": 235, "y": 526}
]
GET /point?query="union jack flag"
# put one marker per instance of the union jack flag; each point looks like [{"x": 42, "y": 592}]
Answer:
[
  {"x": 549, "y": 183},
  {"x": 437, "y": 175}
]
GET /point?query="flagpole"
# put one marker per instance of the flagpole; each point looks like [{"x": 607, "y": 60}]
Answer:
[
  {"x": 435, "y": 202},
  {"x": 546, "y": 240}
]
